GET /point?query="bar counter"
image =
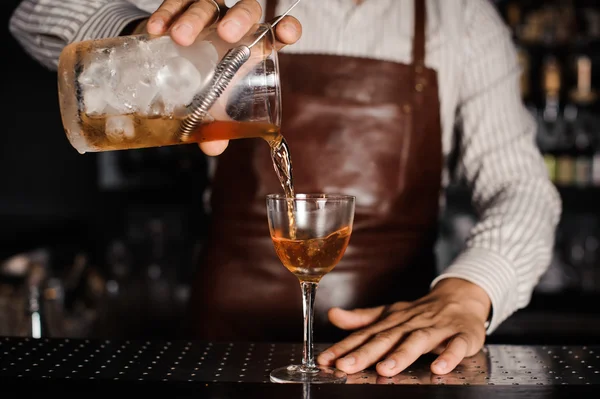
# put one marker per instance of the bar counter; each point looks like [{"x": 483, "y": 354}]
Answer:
[{"x": 96, "y": 367}]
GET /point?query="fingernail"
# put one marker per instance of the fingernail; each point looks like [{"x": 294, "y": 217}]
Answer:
[
  {"x": 156, "y": 24},
  {"x": 349, "y": 360},
  {"x": 234, "y": 27},
  {"x": 388, "y": 364},
  {"x": 327, "y": 356},
  {"x": 440, "y": 364},
  {"x": 291, "y": 28},
  {"x": 183, "y": 29}
]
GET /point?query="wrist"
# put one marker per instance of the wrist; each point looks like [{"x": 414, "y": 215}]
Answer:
[{"x": 465, "y": 292}]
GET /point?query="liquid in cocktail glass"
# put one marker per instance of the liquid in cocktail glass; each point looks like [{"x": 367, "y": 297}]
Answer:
[{"x": 311, "y": 259}]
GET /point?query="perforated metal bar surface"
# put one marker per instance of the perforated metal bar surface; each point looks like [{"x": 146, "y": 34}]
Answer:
[{"x": 248, "y": 362}]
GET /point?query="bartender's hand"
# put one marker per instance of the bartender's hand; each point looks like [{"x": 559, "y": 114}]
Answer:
[
  {"x": 449, "y": 321},
  {"x": 187, "y": 18}
]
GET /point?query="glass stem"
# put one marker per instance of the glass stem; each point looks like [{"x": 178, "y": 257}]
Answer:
[{"x": 308, "y": 301}]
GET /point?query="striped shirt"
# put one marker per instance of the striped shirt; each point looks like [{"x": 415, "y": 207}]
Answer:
[{"x": 471, "y": 49}]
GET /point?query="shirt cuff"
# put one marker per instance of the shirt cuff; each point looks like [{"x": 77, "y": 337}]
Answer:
[
  {"x": 109, "y": 21},
  {"x": 494, "y": 274}
]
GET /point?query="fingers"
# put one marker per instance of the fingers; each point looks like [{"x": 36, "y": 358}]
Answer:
[
  {"x": 199, "y": 15},
  {"x": 458, "y": 348},
  {"x": 385, "y": 333},
  {"x": 165, "y": 15},
  {"x": 356, "y": 318},
  {"x": 419, "y": 342},
  {"x": 187, "y": 18},
  {"x": 238, "y": 20},
  {"x": 343, "y": 347},
  {"x": 287, "y": 32},
  {"x": 214, "y": 148},
  {"x": 367, "y": 354}
]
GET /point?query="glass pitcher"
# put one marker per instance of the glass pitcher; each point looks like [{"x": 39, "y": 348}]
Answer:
[{"x": 135, "y": 91}]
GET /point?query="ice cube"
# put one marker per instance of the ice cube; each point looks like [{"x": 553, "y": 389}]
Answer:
[
  {"x": 137, "y": 64},
  {"x": 119, "y": 102},
  {"x": 95, "y": 82},
  {"x": 136, "y": 91},
  {"x": 119, "y": 128},
  {"x": 95, "y": 74},
  {"x": 94, "y": 101},
  {"x": 158, "y": 49},
  {"x": 102, "y": 100},
  {"x": 133, "y": 87},
  {"x": 143, "y": 96},
  {"x": 203, "y": 55},
  {"x": 178, "y": 81}
]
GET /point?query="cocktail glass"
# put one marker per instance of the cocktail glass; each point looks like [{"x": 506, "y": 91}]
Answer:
[{"x": 310, "y": 233}]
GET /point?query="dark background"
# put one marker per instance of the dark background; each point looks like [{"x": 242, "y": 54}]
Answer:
[
  {"x": 125, "y": 239},
  {"x": 117, "y": 254},
  {"x": 43, "y": 182}
]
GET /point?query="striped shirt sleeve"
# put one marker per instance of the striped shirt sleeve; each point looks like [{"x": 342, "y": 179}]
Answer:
[
  {"x": 517, "y": 205},
  {"x": 44, "y": 27}
]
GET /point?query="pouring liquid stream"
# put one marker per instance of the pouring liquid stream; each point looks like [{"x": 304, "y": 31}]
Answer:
[{"x": 282, "y": 162}]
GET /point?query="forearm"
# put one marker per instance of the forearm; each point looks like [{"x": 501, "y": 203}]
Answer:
[
  {"x": 44, "y": 28},
  {"x": 512, "y": 243}
]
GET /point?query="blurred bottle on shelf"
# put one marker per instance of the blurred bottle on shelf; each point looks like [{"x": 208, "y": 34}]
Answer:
[
  {"x": 581, "y": 120},
  {"x": 549, "y": 118},
  {"x": 565, "y": 150},
  {"x": 583, "y": 95},
  {"x": 569, "y": 130},
  {"x": 584, "y": 99}
]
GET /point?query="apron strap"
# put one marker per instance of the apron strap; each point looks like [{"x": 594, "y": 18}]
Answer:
[
  {"x": 270, "y": 10},
  {"x": 419, "y": 35}
]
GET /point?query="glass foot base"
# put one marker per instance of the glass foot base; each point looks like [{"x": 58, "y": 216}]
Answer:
[{"x": 295, "y": 374}]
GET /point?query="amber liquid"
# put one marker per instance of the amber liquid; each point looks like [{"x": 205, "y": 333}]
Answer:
[
  {"x": 144, "y": 131},
  {"x": 138, "y": 131},
  {"x": 311, "y": 259}
]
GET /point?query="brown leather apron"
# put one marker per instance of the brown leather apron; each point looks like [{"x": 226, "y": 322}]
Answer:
[{"x": 355, "y": 126}]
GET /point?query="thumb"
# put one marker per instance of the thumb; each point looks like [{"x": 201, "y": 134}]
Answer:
[{"x": 356, "y": 318}]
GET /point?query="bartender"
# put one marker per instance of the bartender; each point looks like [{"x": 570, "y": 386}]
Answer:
[{"x": 384, "y": 100}]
